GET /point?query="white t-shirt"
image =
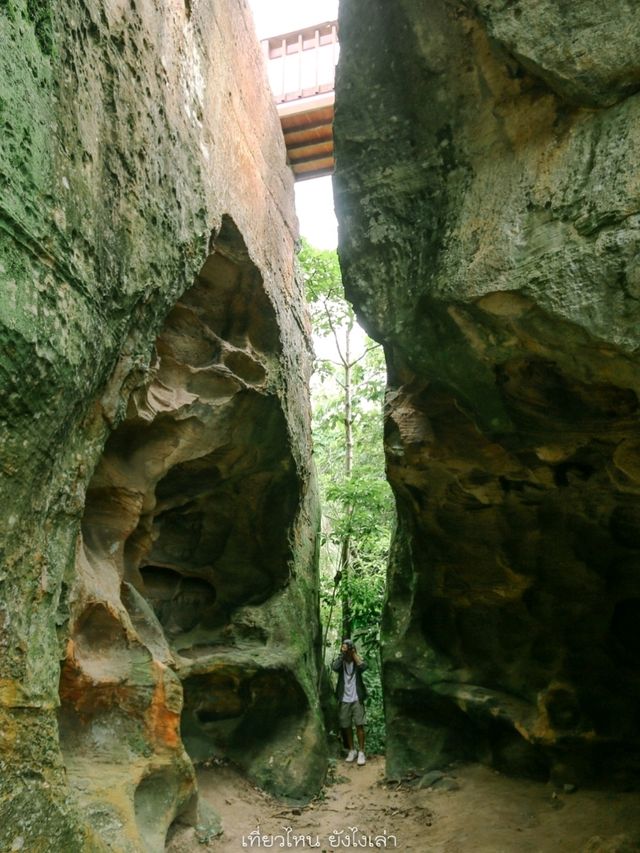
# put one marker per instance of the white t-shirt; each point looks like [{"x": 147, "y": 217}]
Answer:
[{"x": 350, "y": 693}]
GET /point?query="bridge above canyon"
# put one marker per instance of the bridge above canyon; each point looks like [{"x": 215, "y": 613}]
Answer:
[{"x": 301, "y": 67}]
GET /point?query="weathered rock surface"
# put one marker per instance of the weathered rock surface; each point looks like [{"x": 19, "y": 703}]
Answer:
[
  {"x": 158, "y": 512},
  {"x": 490, "y": 227},
  {"x": 586, "y": 53}
]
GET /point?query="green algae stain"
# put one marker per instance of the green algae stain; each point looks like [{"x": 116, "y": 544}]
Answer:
[{"x": 39, "y": 12}]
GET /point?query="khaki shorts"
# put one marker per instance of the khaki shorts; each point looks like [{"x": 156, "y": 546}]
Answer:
[{"x": 351, "y": 713}]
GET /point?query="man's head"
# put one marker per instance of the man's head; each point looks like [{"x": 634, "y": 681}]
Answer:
[{"x": 347, "y": 647}]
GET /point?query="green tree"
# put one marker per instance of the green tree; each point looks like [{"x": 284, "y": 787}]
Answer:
[{"x": 347, "y": 398}]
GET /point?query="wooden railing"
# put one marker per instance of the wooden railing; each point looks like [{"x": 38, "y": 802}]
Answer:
[{"x": 302, "y": 64}]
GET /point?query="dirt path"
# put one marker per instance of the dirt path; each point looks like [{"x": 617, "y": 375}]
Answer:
[{"x": 486, "y": 813}]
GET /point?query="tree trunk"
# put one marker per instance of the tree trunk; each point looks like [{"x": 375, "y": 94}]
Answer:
[{"x": 345, "y": 551}]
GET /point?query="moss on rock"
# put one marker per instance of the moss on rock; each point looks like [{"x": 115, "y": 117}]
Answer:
[{"x": 130, "y": 138}]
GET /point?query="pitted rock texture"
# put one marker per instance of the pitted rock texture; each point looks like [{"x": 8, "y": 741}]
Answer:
[
  {"x": 158, "y": 507},
  {"x": 588, "y": 54},
  {"x": 489, "y": 237},
  {"x": 188, "y": 518}
]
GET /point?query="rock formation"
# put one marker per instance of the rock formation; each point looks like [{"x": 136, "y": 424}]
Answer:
[
  {"x": 158, "y": 598},
  {"x": 489, "y": 203}
]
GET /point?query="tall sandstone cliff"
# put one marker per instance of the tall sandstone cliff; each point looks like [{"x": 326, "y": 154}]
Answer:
[
  {"x": 158, "y": 598},
  {"x": 488, "y": 193}
]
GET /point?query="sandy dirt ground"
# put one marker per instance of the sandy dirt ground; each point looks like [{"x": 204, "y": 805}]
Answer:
[{"x": 485, "y": 812}]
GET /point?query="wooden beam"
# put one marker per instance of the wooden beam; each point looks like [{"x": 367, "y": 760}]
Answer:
[
  {"x": 319, "y": 172},
  {"x": 306, "y": 121},
  {"x": 309, "y": 143},
  {"x": 303, "y": 161}
]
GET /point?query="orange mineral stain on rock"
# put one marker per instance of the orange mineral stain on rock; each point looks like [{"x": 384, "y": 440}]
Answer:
[
  {"x": 162, "y": 722},
  {"x": 88, "y": 695}
]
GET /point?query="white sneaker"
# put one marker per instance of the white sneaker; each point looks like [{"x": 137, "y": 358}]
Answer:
[
  {"x": 352, "y": 755},
  {"x": 361, "y": 759}
]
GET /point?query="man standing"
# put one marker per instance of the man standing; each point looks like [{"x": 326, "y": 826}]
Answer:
[{"x": 351, "y": 693}]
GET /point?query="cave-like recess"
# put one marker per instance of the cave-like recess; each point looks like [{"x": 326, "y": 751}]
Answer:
[{"x": 188, "y": 518}]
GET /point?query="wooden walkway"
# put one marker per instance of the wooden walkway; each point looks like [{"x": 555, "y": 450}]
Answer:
[{"x": 301, "y": 68}]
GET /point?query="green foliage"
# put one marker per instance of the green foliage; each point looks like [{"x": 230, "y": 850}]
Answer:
[
  {"x": 357, "y": 508},
  {"x": 376, "y": 732},
  {"x": 39, "y": 13},
  {"x": 323, "y": 287}
]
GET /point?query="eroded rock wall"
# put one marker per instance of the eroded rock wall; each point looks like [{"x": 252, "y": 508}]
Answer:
[
  {"x": 489, "y": 205},
  {"x": 158, "y": 512}
]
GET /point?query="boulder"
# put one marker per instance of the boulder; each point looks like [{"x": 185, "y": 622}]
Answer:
[{"x": 489, "y": 215}]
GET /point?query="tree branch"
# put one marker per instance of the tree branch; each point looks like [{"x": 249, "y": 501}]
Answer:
[
  {"x": 365, "y": 353},
  {"x": 335, "y": 334}
]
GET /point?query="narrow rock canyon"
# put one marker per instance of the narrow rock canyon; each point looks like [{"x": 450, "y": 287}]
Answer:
[{"x": 159, "y": 592}]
